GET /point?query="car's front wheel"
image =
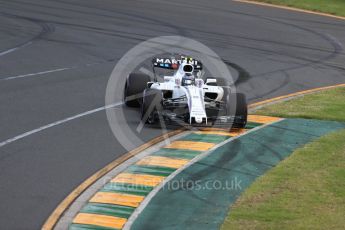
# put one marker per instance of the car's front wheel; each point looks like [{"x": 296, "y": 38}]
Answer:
[
  {"x": 136, "y": 83},
  {"x": 151, "y": 105}
]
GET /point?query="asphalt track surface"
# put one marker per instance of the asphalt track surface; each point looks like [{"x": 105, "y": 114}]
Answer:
[{"x": 56, "y": 57}]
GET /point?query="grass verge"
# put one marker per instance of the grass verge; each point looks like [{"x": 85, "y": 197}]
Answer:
[
  {"x": 335, "y": 7},
  {"x": 306, "y": 190},
  {"x": 324, "y": 105}
]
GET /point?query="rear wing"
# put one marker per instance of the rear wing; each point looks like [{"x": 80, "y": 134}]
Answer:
[{"x": 174, "y": 63}]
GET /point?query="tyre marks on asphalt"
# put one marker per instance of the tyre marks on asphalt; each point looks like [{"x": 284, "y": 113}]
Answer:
[{"x": 46, "y": 29}]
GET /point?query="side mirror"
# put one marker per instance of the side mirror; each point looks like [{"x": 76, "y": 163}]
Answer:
[{"x": 211, "y": 81}]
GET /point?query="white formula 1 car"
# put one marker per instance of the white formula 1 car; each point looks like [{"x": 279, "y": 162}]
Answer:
[{"x": 185, "y": 96}]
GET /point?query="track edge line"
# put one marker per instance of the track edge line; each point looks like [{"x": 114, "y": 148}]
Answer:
[{"x": 290, "y": 8}]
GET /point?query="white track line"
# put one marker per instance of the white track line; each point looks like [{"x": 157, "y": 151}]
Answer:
[
  {"x": 13, "y": 139},
  {"x": 34, "y": 74},
  {"x": 53, "y": 70},
  {"x": 14, "y": 49}
]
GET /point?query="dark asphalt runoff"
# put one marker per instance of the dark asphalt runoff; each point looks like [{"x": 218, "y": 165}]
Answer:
[{"x": 56, "y": 57}]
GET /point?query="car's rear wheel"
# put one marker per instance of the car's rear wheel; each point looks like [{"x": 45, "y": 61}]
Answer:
[
  {"x": 136, "y": 83},
  {"x": 151, "y": 104},
  {"x": 237, "y": 107}
]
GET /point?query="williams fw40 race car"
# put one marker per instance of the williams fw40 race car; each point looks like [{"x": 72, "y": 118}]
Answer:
[{"x": 185, "y": 96}]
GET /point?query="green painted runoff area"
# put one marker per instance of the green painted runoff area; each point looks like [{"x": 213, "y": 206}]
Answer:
[{"x": 200, "y": 196}]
